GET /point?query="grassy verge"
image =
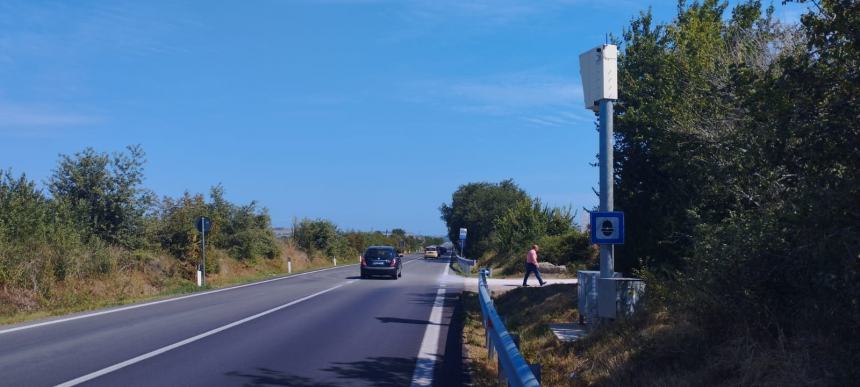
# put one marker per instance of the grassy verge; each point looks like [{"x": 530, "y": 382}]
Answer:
[
  {"x": 649, "y": 349},
  {"x": 527, "y": 313},
  {"x": 142, "y": 285}
]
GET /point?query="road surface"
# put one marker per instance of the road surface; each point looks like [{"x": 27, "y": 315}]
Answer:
[{"x": 326, "y": 328}]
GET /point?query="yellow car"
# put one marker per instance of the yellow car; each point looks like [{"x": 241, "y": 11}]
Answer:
[{"x": 431, "y": 252}]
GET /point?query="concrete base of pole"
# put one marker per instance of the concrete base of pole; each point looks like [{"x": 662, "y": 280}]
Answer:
[
  {"x": 199, "y": 278},
  {"x": 289, "y": 267}
]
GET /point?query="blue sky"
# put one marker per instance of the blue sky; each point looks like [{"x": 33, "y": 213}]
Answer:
[{"x": 366, "y": 112}]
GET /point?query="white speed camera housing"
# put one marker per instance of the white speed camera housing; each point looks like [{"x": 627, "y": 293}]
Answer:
[{"x": 598, "y": 68}]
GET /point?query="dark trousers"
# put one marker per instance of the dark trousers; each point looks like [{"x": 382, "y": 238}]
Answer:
[{"x": 532, "y": 268}]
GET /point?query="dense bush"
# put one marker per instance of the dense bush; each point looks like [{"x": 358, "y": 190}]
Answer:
[
  {"x": 571, "y": 248},
  {"x": 98, "y": 218},
  {"x": 737, "y": 166},
  {"x": 527, "y": 222},
  {"x": 318, "y": 236}
]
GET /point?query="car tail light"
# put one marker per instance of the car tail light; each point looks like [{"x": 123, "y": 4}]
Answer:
[
  {"x": 394, "y": 262},
  {"x": 363, "y": 262}
]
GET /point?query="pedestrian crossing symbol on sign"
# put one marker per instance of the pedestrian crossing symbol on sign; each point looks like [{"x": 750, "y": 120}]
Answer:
[{"x": 607, "y": 228}]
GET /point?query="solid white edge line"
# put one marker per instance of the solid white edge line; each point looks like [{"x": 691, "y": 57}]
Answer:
[
  {"x": 429, "y": 350},
  {"x": 189, "y": 340},
  {"x": 135, "y": 306}
]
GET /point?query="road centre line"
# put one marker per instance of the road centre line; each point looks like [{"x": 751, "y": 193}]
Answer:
[
  {"x": 428, "y": 352},
  {"x": 190, "y": 340}
]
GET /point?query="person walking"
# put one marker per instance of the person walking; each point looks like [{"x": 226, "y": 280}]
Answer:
[{"x": 532, "y": 266}]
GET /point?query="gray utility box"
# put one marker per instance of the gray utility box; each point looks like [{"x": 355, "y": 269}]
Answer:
[
  {"x": 617, "y": 297},
  {"x": 586, "y": 293}
]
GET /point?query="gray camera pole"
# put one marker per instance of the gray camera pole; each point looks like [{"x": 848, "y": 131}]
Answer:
[{"x": 607, "y": 261}]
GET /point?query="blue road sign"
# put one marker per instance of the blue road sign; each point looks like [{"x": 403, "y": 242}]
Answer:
[
  {"x": 462, "y": 234},
  {"x": 203, "y": 224},
  {"x": 607, "y": 228}
]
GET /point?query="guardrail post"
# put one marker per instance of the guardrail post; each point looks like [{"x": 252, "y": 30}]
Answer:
[{"x": 491, "y": 349}]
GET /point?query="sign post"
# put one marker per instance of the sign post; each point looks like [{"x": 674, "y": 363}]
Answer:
[
  {"x": 599, "y": 71},
  {"x": 203, "y": 224},
  {"x": 463, "y": 241}
]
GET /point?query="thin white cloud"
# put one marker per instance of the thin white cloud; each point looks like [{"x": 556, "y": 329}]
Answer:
[
  {"x": 63, "y": 32},
  {"x": 28, "y": 117},
  {"x": 519, "y": 93},
  {"x": 530, "y": 96}
]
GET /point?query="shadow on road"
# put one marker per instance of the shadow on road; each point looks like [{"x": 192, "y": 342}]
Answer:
[
  {"x": 453, "y": 371},
  {"x": 405, "y": 321},
  {"x": 380, "y": 371},
  {"x": 268, "y": 377},
  {"x": 381, "y": 277},
  {"x": 430, "y": 298},
  {"x": 375, "y": 371}
]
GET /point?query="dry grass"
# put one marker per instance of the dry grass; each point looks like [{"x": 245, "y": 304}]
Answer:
[
  {"x": 526, "y": 311},
  {"x": 482, "y": 371},
  {"x": 651, "y": 349},
  {"x": 140, "y": 277}
]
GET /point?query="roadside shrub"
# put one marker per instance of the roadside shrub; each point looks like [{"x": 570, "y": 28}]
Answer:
[
  {"x": 573, "y": 247},
  {"x": 527, "y": 222},
  {"x": 314, "y": 235},
  {"x": 104, "y": 193}
]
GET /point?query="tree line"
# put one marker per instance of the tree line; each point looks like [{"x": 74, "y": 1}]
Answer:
[
  {"x": 94, "y": 234},
  {"x": 320, "y": 236},
  {"x": 96, "y": 217},
  {"x": 503, "y": 221}
]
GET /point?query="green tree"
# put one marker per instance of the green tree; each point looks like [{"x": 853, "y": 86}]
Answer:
[
  {"x": 476, "y": 206},
  {"x": 25, "y": 218},
  {"x": 320, "y": 236},
  {"x": 104, "y": 193}
]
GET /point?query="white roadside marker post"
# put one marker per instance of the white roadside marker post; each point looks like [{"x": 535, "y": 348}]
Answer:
[{"x": 203, "y": 224}]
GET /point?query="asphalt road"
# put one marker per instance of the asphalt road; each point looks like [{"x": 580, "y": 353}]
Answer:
[{"x": 327, "y": 328}]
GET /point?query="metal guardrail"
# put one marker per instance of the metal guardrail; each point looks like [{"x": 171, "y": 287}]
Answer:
[
  {"x": 515, "y": 368},
  {"x": 466, "y": 264}
]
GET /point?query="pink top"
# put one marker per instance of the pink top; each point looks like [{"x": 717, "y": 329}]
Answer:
[{"x": 532, "y": 257}]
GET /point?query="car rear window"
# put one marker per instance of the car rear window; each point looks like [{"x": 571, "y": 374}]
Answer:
[
  {"x": 379, "y": 253},
  {"x": 431, "y": 249}
]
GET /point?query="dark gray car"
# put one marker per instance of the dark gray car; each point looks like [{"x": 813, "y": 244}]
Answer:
[{"x": 381, "y": 260}]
